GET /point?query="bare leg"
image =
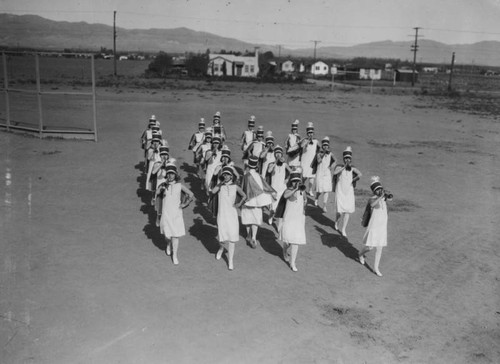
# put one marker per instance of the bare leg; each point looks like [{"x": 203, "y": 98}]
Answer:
[
  {"x": 230, "y": 255},
  {"x": 345, "y": 219},
  {"x": 362, "y": 254},
  {"x": 255, "y": 228},
  {"x": 295, "y": 249},
  {"x": 316, "y": 198},
  {"x": 220, "y": 251},
  {"x": 175, "y": 247},
  {"x": 168, "y": 250},
  {"x": 378, "y": 255},
  {"x": 337, "y": 218},
  {"x": 325, "y": 200}
]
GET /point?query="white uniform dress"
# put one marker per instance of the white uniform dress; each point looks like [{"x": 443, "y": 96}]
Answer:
[
  {"x": 307, "y": 157},
  {"x": 227, "y": 215},
  {"x": 251, "y": 213},
  {"x": 293, "y": 230},
  {"x": 172, "y": 221},
  {"x": 376, "y": 232},
  {"x": 211, "y": 167},
  {"x": 278, "y": 182},
  {"x": 153, "y": 158},
  {"x": 268, "y": 159},
  {"x": 344, "y": 193},
  {"x": 292, "y": 143},
  {"x": 324, "y": 174},
  {"x": 248, "y": 137}
]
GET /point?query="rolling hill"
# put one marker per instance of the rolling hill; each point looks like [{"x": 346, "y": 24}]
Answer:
[{"x": 36, "y": 32}]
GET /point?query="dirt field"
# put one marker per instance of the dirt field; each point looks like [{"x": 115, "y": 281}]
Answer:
[{"x": 84, "y": 277}]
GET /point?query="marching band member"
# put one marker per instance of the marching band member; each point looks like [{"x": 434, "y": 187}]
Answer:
[
  {"x": 152, "y": 156},
  {"x": 346, "y": 176},
  {"x": 175, "y": 197},
  {"x": 267, "y": 155},
  {"x": 256, "y": 148},
  {"x": 197, "y": 140},
  {"x": 376, "y": 231},
  {"x": 309, "y": 148},
  {"x": 292, "y": 145},
  {"x": 213, "y": 160},
  {"x": 158, "y": 175},
  {"x": 225, "y": 159},
  {"x": 147, "y": 135},
  {"x": 218, "y": 127},
  {"x": 201, "y": 153},
  {"x": 226, "y": 210},
  {"x": 259, "y": 194},
  {"x": 248, "y": 136},
  {"x": 292, "y": 210},
  {"x": 277, "y": 176},
  {"x": 323, "y": 164}
]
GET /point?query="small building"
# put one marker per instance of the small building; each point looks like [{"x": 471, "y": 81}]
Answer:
[
  {"x": 288, "y": 66},
  {"x": 319, "y": 68},
  {"x": 370, "y": 74},
  {"x": 232, "y": 65},
  {"x": 430, "y": 69},
  {"x": 405, "y": 75}
]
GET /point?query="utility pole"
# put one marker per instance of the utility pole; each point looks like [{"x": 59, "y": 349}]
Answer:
[
  {"x": 114, "y": 42},
  {"x": 451, "y": 71},
  {"x": 279, "y": 50},
  {"x": 315, "y": 43},
  {"x": 414, "y": 48}
]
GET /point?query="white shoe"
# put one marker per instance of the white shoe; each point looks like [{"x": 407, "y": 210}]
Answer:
[
  {"x": 377, "y": 272},
  {"x": 362, "y": 259},
  {"x": 230, "y": 266},
  {"x": 175, "y": 260},
  {"x": 344, "y": 234},
  {"x": 324, "y": 209},
  {"x": 294, "y": 268},
  {"x": 219, "y": 254},
  {"x": 316, "y": 203},
  {"x": 168, "y": 250}
]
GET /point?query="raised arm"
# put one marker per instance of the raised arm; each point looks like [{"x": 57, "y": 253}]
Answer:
[
  {"x": 338, "y": 169},
  {"x": 190, "y": 194},
  {"x": 358, "y": 174},
  {"x": 243, "y": 196}
]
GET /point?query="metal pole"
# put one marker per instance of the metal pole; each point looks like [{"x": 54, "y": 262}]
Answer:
[
  {"x": 415, "y": 47},
  {"x": 451, "y": 71},
  {"x": 6, "y": 90},
  {"x": 94, "y": 108},
  {"x": 114, "y": 42},
  {"x": 39, "y": 96}
]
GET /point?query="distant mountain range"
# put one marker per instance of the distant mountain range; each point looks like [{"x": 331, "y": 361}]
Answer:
[{"x": 36, "y": 32}]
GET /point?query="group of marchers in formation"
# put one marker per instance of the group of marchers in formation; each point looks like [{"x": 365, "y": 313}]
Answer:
[{"x": 278, "y": 179}]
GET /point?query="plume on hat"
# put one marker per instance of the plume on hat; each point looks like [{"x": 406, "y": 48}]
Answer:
[{"x": 375, "y": 183}]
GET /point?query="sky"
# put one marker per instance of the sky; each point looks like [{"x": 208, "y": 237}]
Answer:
[{"x": 287, "y": 23}]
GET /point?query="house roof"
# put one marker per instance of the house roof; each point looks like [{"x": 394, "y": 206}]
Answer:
[{"x": 405, "y": 71}]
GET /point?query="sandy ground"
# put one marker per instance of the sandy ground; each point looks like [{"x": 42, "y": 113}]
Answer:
[{"x": 84, "y": 277}]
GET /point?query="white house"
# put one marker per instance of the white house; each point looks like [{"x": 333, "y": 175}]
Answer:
[
  {"x": 287, "y": 66},
  {"x": 232, "y": 65},
  {"x": 370, "y": 74},
  {"x": 319, "y": 68},
  {"x": 430, "y": 69}
]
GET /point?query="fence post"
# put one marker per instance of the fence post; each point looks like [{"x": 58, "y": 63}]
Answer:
[
  {"x": 39, "y": 96},
  {"x": 94, "y": 112},
  {"x": 6, "y": 90}
]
